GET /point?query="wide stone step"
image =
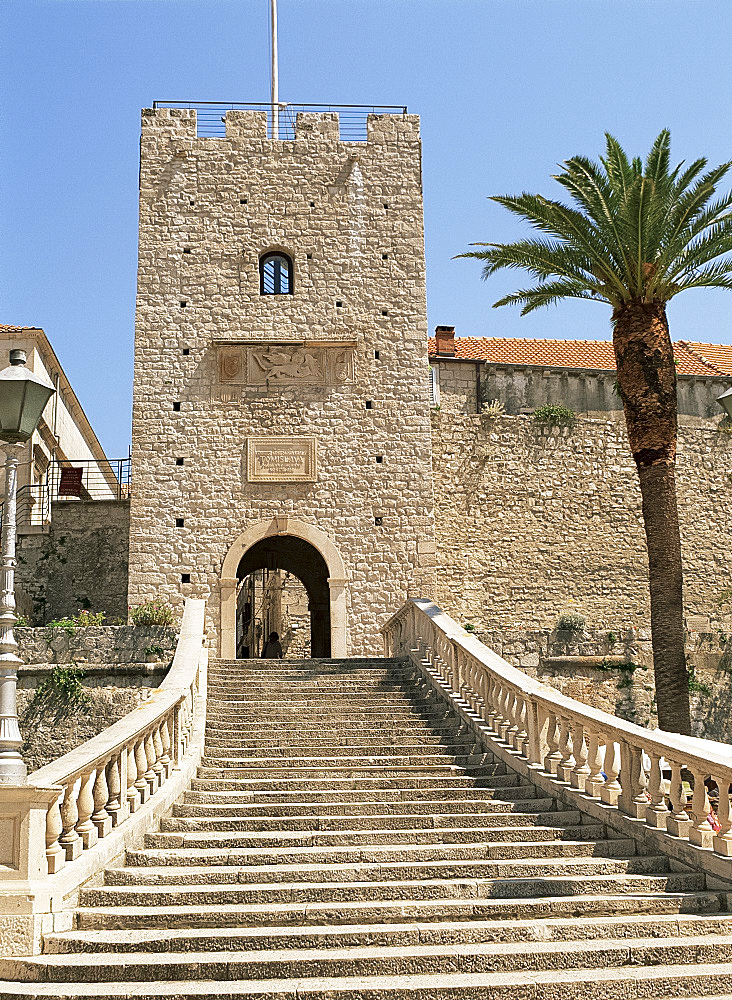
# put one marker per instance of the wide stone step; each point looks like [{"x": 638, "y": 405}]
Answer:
[
  {"x": 199, "y": 817},
  {"x": 189, "y": 892},
  {"x": 406, "y": 853},
  {"x": 315, "y": 778},
  {"x": 226, "y": 758},
  {"x": 208, "y": 868},
  {"x": 331, "y": 731},
  {"x": 532, "y": 910},
  {"x": 365, "y": 790},
  {"x": 667, "y": 982},
  {"x": 538, "y": 956},
  {"x": 228, "y": 804},
  {"x": 126, "y": 940},
  {"x": 178, "y": 833},
  {"x": 275, "y": 746}
]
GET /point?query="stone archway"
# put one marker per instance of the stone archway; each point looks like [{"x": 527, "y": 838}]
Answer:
[{"x": 283, "y": 527}]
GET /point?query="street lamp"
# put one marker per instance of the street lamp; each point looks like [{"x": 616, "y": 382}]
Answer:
[
  {"x": 725, "y": 401},
  {"x": 23, "y": 395}
]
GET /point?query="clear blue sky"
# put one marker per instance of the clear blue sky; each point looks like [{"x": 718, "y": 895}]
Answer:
[{"x": 505, "y": 88}]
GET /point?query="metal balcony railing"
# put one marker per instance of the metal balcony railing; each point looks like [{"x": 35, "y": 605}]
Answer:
[
  {"x": 352, "y": 117},
  {"x": 82, "y": 479}
]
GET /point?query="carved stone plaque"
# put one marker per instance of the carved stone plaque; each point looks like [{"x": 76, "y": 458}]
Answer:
[
  {"x": 281, "y": 460},
  {"x": 286, "y": 364}
]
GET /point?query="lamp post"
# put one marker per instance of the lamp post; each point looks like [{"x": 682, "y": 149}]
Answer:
[
  {"x": 725, "y": 401},
  {"x": 23, "y": 395}
]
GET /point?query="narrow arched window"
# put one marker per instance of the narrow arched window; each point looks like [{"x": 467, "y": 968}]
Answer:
[{"x": 275, "y": 274}]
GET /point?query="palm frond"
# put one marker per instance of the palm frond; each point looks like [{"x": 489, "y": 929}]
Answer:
[{"x": 547, "y": 294}]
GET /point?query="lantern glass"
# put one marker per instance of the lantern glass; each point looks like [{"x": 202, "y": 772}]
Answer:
[
  {"x": 23, "y": 396},
  {"x": 725, "y": 401}
]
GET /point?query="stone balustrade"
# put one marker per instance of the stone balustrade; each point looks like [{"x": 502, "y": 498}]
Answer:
[
  {"x": 54, "y": 829},
  {"x": 636, "y": 771}
]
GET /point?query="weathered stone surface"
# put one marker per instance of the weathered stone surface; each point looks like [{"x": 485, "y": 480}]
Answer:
[
  {"x": 79, "y": 563},
  {"x": 350, "y": 216},
  {"x": 534, "y": 521}
]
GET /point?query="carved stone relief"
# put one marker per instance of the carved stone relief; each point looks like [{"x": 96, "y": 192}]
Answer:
[{"x": 286, "y": 364}]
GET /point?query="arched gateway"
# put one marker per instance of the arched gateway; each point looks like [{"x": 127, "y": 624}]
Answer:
[{"x": 301, "y": 549}]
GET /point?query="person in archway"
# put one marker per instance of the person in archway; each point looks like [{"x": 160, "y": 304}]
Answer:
[{"x": 272, "y": 648}]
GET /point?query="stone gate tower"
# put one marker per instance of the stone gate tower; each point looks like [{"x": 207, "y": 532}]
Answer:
[{"x": 280, "y": 413}]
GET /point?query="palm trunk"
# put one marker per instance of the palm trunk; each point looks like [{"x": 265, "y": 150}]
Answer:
[{"x": 647, "y": 384}]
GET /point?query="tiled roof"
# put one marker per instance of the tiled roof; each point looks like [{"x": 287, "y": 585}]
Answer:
[
  {"x": 691, "y": 358},
  {"x": 9, "y": 328}
]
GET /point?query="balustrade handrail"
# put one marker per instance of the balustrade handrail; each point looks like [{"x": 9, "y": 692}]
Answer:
[
  {"x": 175, "y": 685},
  {"x": 98, "y": 786},
  {"x": 593, "y": 751}
]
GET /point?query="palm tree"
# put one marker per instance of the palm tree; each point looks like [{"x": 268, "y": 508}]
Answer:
[{"x": 638, "y": 235}]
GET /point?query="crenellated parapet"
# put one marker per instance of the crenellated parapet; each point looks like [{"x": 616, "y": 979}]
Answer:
[{"x": 183, "y": 123}]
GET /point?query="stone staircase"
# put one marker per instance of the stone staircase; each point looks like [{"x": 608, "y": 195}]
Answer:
[{"x": 348, "y": 838}]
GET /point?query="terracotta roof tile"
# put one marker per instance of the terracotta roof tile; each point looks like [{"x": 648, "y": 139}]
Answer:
[{"x": 691, "y": 358}]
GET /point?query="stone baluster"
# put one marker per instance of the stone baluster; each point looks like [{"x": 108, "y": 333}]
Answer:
[
  {"x": 150, "y": 775},
  {"x": 55, "y": 854},
  {"x": 498, "y": 694},
  {"x": 100, "y": 817},
  {"x": 132, "y": 794},
  {"x": 657, "y": 811},
  {"x": 567, "y": 761},
  {"x": 610, "y": 791},
  {"x": 158, "y": 766},
  {"x": 70, "y": 839},
  {"x": 522, "y": 736},
  {"x": 85, "y": 804},
  {"x": 722, "y": 841},
  {"x": 505, "y": 722},
  {"x": 143, "y": 788},
  {"x": 581, "y": 771},
  {"x": 594, "y": 780},
  {"x": 678, "y": 822},
  {"x": 636, "y": 801},
  {"x": 551, "y": 761},
  {"x": 165, "y": 739},
  {"x": 700, "y": 832},
  {"x": 115, "y": 806},
  {"x": 489, "y": 713},
  {"x": 513, "y": 716}
]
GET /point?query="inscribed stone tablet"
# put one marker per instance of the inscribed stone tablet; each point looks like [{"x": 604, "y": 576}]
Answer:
[{"x": 281, "y": 460}]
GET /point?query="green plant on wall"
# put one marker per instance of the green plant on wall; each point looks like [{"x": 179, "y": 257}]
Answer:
[
  {"x": 82, "y": 619},
  {"x": 60, "y": 694},
  {"x": 570, "y": 623},
  {"x": 156, "y": 611},
  {"x": 554, "y": 415}
]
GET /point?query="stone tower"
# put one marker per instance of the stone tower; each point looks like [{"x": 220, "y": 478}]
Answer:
[{"x": 281, "y": 415}]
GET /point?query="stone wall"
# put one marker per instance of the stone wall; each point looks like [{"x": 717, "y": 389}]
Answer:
[
  {"x": 111, "y": 646},
  {"x": 521, "y": 389},
  {"x": 533, "y": 521},
  {"x": 79, "y": 561},
  {"x": 613, "y": 671},
  {"x": 220, "y": 369}
]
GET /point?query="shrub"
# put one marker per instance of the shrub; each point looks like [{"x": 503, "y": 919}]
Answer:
[
  {"x": 82, "y": 619},
  {"x": 493, "y": 408},
  {"x": 59, "y": 694},
  {"x": 154, "y": 650},
  {"x": 554, "y": 414},
  {"x": 571, "y": 622},
  {"x": 154, "y": 612}
]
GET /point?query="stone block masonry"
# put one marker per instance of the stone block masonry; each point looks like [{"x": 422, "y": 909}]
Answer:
[
  {"x": 341, "y": 361},
  {"x": 79, "y": 561},
  {"x": 533, "y": 521}
]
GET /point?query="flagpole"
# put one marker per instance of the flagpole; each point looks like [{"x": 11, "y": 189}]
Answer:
[{"x": 275, "y": 82}]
